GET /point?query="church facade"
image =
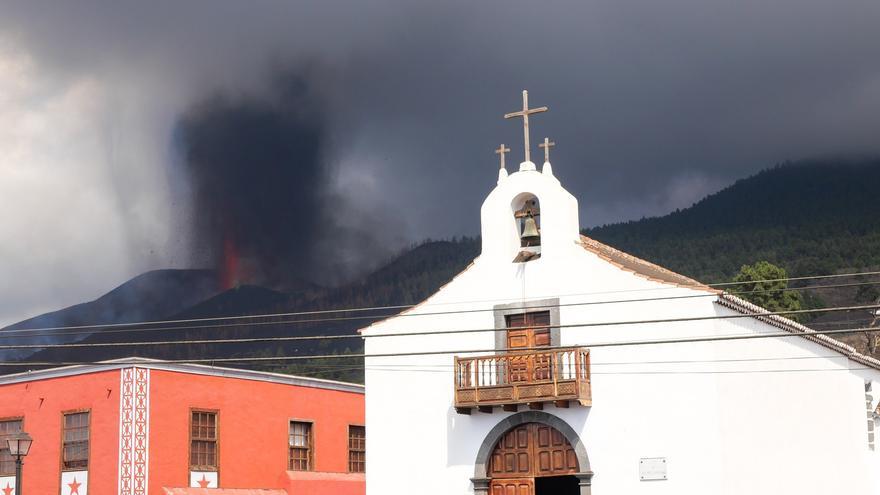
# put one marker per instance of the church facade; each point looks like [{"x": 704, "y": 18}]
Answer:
[
  {"x": 145, "y": 427},
  {"x": 555, "y": 364}
]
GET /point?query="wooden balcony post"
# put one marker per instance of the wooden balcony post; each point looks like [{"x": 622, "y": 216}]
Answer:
[
  {"x": 554, "y": 369},
  {"x": 477, "y": 378},
  {"x": 587, "y": 365}
]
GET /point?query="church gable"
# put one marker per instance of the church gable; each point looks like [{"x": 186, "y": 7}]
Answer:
[{"x": 552, "y": 345}]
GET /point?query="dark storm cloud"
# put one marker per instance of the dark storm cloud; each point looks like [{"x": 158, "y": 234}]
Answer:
[
  {"x": 257, "y": 177},
  {"x": 263, "y": 210},
  {"x": 643, "y": 95},
  {"x": 652, "y": 104}
]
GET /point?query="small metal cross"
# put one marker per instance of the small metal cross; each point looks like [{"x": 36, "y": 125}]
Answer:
[
  {"x": 547, "y": 144},
  {"x": 524, "y": 113},
  {"x": 501, "y": 151}
]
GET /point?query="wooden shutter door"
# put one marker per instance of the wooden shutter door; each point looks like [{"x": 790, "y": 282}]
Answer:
[
  {"x": 518, "y": 338},
  {"x": 554, "y": 456},
  {"x": 513, "y": 486},
  {"x": 513, "y": 454},
  {"x": 528, "y": 330},
  {"x": 539, "y": 324},
  {"x": 527, "y": 451},
  {"x": 536, "y": 333}
]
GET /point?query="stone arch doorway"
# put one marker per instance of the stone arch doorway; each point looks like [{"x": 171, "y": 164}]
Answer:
[{"x": 532, "y": 453}]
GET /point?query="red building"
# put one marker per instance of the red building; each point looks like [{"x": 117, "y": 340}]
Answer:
[{"x": 144, "y": 427}]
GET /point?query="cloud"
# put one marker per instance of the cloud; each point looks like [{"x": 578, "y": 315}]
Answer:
[
  {"x": 650, "y": 104},
  {"x": 75, "y": 219},
  {"x": 267, "y": 207}
]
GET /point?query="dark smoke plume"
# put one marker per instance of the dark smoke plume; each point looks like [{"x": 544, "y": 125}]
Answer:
[{"x": 259, "y": 179}]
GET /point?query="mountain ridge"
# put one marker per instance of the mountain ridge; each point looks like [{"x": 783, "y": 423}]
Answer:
[{"x": 809, "y": 217}]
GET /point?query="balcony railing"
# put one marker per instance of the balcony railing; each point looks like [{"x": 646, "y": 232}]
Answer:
[{"x": 559, "y": 375}]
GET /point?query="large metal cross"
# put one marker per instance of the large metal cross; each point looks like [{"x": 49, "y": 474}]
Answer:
[
  {"x": 524, "y": 113},
  {"x": 547, "y": 144},
  {"x": 501, "y": 151}
]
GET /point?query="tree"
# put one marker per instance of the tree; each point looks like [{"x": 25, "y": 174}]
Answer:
[{"x": 765, "y": 284}]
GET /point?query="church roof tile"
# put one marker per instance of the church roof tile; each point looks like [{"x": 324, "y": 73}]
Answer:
[{"x": 657, "y": 273}]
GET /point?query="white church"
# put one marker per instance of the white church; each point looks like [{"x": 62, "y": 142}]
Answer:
[{"x": 555, "y": 364}]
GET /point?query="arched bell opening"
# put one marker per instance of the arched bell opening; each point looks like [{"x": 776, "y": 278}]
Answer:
[
  {"x": 527, "y": 215},
  {"x": 532, "y": 453}
]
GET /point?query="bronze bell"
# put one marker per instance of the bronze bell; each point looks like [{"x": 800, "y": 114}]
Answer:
[{"x": 530, "y": 235}]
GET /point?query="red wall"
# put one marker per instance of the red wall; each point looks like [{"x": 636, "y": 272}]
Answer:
[
  {"x": 41, "y": 404},
  {"x": 253, "y": 426}
]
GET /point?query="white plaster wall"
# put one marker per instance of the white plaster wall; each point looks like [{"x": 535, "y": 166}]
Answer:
[
  {"x": 791, "y": 431},
  {"x": 872, "y": 458},
  {"x": 730, "y": 417}
]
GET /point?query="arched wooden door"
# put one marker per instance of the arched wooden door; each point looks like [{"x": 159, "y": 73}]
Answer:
[{"x": 526, "y": 452}]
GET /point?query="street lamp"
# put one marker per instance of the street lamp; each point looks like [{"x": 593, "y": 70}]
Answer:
[{"x": 19, "y": 445}]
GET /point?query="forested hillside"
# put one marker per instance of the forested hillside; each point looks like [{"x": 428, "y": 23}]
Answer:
[
  {"x": 808, "y": 217},
  {"x": 813, "y": 217},
  {"x": 407, "y": 279}
]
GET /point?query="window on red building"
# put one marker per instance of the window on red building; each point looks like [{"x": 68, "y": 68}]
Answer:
[
  {"x": 75, "y": 442},
  {"x": 8, "y": 427},
  {"x": 203, "y": 441},
  {"x": 357, "y": 449},
  {"x": 300, "y": 441}
]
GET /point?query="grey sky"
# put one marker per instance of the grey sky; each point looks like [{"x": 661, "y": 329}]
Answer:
[{"x": 652, "y": 105}]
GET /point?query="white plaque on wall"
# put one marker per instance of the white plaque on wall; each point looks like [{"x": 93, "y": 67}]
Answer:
[
  {"x": 652, "y": 468},
  {"x": 203, "y": 479},
  {"x": 74, "y": 482},
  {"x": 7, "y": 484}
]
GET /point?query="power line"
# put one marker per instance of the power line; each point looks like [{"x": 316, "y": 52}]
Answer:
[
  {"x": 674, "y": 372},
  {"x": 395, "y": 307},
  {"x": 341, "y": 368},
  {"x": 450, "y": 368},
  {"x": 608, "y": 373},
  {"x": 644, "y": 372},
  {"x": 810, "y": 277},
  {"x": 404, "y": 366},
  {"x": 48, "y": 331},
  {"x": 319, "y": 373},
  {"x": 424, "y": 369},
  {"x": 243, "y": 340},
  {"x": 714, "y": 338}
]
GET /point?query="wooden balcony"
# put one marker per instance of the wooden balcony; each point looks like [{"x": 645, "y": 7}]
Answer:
[{"x": 558, "y": 375}]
